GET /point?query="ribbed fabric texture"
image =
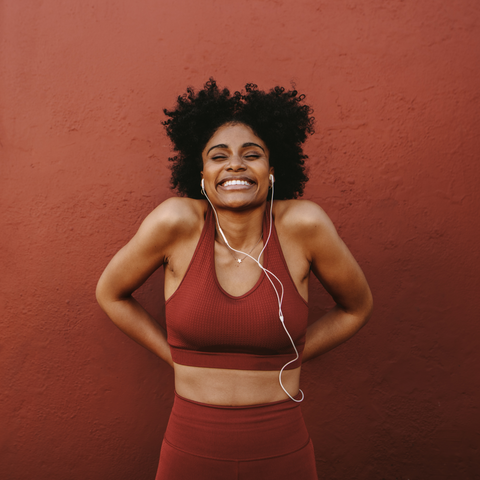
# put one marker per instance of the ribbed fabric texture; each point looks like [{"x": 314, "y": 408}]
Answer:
[{"x": 207, "y": 327}]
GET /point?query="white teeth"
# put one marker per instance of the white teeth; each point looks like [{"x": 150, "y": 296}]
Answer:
[{"x": 235, "y": 182}]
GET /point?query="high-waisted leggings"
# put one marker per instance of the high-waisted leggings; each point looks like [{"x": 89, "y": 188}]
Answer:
[{"x": 254, "y": 442}]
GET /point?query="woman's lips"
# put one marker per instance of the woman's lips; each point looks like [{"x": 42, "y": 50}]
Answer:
[{"x": 238, "y": 183}]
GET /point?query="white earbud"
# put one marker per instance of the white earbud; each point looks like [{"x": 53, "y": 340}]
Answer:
[
  {"x": 272, "y": 178},
  {"x": 203, "y": 184}
]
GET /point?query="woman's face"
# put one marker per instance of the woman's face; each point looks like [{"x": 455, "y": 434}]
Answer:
[{"x": 236, "y": 167}]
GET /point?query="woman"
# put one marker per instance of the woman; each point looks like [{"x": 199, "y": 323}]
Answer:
[{"x": 237, "y": 251}]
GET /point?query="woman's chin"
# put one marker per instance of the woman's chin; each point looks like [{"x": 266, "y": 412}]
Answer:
[{"x": 240, "y": 202}]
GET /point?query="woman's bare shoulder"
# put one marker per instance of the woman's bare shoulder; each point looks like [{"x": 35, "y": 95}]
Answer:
[
  {"x": 303, "y": 215},
  {"x": 178, "y": 213},
  {"x": 172, "y": 220}
]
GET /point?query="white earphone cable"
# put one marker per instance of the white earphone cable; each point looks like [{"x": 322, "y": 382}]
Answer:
[{"x": 267, "y": 273}]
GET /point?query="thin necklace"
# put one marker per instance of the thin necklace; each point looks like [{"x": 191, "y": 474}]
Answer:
[{"x": 240, "y": 260}]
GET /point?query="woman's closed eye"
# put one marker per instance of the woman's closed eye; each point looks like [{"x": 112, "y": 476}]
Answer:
[{"x": 249, "y": 156}]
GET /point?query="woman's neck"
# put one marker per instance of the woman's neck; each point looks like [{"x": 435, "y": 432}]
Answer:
[{"x": 243, "y": 228}]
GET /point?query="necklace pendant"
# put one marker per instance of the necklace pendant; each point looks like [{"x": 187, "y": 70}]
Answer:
[{"x": 239, "y": 260}]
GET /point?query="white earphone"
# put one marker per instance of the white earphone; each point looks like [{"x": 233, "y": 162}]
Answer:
[{"x": 268, "y": 274}]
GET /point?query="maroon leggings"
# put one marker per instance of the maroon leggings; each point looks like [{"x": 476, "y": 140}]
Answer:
[{"x": 254, "y": 442}]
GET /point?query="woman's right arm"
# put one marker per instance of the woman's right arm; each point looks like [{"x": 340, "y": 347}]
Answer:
[{"x": 129, "y": 269}]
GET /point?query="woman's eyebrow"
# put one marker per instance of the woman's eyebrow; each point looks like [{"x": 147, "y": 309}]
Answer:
[
  {"x": 245, "y": 145},
  {"x": 251, "y": 144},
  {"x": 220, "y": 145}
]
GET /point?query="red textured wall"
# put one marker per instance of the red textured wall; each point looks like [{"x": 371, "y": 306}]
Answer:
[{"x": 395, "y": 162}]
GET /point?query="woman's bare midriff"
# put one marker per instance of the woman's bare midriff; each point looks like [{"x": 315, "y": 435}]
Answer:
[{"x": 217, "y": 386}]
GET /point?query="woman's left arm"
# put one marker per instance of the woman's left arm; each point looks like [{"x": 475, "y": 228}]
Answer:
[{"x": 333, "y": 264}]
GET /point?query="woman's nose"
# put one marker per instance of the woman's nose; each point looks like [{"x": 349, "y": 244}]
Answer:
[{"x": 236, "y": 162}]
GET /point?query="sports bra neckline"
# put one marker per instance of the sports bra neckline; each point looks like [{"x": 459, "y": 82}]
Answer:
[{"x": 265, "y": 260}]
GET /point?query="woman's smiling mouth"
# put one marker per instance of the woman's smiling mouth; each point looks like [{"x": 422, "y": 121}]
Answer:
[{"x": 235, "y": 183}]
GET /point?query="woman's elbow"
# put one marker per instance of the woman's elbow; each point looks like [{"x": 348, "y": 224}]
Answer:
[
  {"x": 101, "y": 294},
  {"x": 368, "y": 307}
]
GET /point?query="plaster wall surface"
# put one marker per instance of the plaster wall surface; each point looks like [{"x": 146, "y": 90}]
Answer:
[{"x": 394, "y": 162}]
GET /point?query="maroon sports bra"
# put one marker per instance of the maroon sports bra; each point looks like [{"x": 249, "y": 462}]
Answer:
[{"x": 208, "y": 327}]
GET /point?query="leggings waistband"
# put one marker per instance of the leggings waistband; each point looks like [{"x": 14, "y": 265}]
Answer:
[
  {"x": 239, "y": 407},
  {"x": 244, "y": 432}
]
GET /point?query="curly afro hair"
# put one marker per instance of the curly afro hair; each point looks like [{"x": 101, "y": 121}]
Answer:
[{"x": 278, "y": 117}]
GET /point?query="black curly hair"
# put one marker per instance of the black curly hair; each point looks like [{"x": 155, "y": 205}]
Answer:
[{"x": 278, "y": 117}]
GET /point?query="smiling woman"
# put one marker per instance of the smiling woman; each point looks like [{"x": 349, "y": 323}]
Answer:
[{"x": 237, "y": 252}]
